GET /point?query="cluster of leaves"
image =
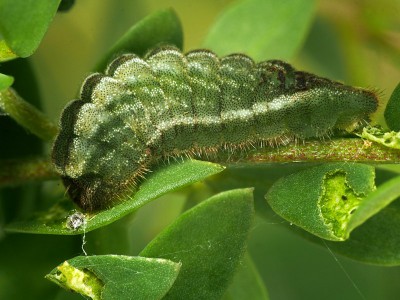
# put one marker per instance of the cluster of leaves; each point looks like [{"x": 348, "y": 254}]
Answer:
[{"x": 202, "y": 254}]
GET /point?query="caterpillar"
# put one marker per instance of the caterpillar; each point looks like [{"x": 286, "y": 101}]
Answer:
[{"x": 168, "y": 104}]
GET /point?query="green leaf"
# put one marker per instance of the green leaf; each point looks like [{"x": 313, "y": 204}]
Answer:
[
  {"x": 5, "y": 52},
  {"x": 247, "y": 283},
  {"x": 321, "y": 200},
  {"x": 377, "y": 241},
  {"x": 263, "y": 29},
  {"x": 24, "y": 23},
  {"x": 5, "y": 81},
  {"x": 160, "y": 182},
  {"x": 116, "y": 276},
  {"x": 162, "y": 27},
  {"x": 375, "y": 201},
  {"x": 209, "y": 240},
  {"x": 392, "y": 111},
  {"x": 260, "y": 176}
]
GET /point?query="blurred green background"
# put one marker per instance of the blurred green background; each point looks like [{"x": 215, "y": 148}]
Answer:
[{"x": 353, "y": 41}]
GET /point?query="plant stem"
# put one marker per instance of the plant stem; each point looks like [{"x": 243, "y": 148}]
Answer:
[
  {"x": 344, "y": 149},
  {"x": 14, "y": 172},
  {"x": 27, "y": 115}
]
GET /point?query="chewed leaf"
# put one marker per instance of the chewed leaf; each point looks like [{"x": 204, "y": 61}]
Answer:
[
  {"x": 337, "y": 202},
  {"x": 107, "y": 277},
  {"x": 80, "y": 281},
  {"x": 322, "y": 200},
  {"x": 377, "y": 241},
  {"x": 389, "y": 139}
]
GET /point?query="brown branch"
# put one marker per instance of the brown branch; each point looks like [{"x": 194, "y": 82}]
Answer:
[
  {"x": 336, "y": 150},
  {"x": 15, "y": 172}
]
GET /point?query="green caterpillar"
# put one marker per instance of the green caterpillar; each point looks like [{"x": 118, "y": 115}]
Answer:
[{"x": 172, "y": 104}]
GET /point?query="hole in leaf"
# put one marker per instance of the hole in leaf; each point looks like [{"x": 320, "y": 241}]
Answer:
[{"x": 338, "y": 201}]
